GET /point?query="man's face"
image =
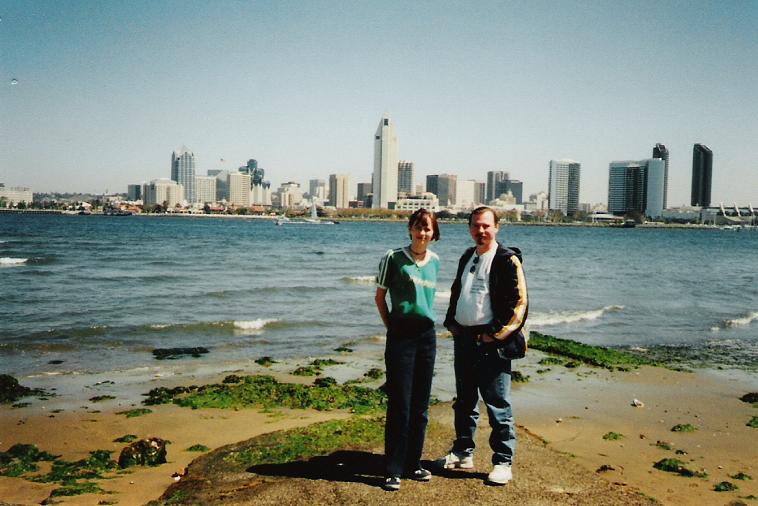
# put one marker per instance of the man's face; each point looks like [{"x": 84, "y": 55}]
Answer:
[{"x": 483, "y": 229}]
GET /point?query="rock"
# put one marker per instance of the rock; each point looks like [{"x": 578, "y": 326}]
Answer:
[
  {"x": 174, "y": 353},
  {"x": 751, "y": 397},
  {"x": 638, "y": 403},
  {"x": 11, "y": 391},
  {"x": 145, "y": 452}
]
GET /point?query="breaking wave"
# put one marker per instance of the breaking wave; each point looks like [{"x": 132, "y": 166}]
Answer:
[
  {"x": 258, "y": 324},
  {"x": 443, "y": 295},
  {"x": 10, "y": 261},
  {"x": 563, "y": 317},
  {"x": 360, "y": 280},
  {"x": 737, "y": 322}
]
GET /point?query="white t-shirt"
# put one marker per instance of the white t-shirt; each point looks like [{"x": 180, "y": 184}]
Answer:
[{"x": 474, "y": 307}]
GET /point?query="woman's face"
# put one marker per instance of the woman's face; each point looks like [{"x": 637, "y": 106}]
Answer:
[{"x": 422, "y": 231}]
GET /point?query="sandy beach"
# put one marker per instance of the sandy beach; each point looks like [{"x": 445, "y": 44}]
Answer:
[{"x": 570, "y": 409}]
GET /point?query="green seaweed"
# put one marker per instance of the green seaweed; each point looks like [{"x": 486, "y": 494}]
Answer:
[
  {"x": 683, "y": 427},
  {"x": 176, "y": 353},
  {"x": 613, "y": 436},
  {"x": 343, "y": 349},
  {"x": 741, "y": 476},
  {"x": 100, "y": 398},
  {"x": 21, "y": 459},
  {"x": 374, "y": 373},
  {"x": 664, "y": 445},
  {"x": 593, "y": 355},
  {"x": 551, "y": 361},
  {"x": 317, "y": 439},
  {"x": 266, "y": 392},
  {"x": 20, "y": 404},
  {"x": 11, "y": 390},
  {"x": 232, "y": 378},
  {"x": 131, "y": 413},
  {"x": 127, "y": 438},
  {"x": 325, "y": 362},
  {"x": 725, "y": 486},
  {"x": 307, "y": 370},
  {"x": 98, "y": 463},
  {"x": 676, "y": 466},
  {"x": 753, "y": 422},
  {"x": 77, "y": 489},
  {"x": 326, "y": 381},
  {"x": 519, "y": 377},
  {"x": 197, "y": 448},
  {"x": 265, "y": 361}
]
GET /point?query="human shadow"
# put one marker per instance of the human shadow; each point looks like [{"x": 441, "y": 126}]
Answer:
[{"x": 348, "y": 466}]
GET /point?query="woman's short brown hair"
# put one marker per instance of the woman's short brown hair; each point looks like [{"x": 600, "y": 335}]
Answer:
[{"x": 418, "y": 217}]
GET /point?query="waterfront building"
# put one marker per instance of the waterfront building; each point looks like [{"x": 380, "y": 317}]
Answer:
[
  {"x": 385, "y": 165},
  {"x": 339, "y": 191},
  {"x": 406, "y": 177},
  {"x": 660, "y": 151},
  {"x": 289, "y": 194},
  {"x": 260, "y": 190},
  {"x": 563, "y": 186},
  {"x": 537, "y": 202},
  {"x": 134, "y": 192},
  {"x": 432, "y": 183},
  {"x": 480, "y": 192},
  {"x": 318, "y": 190},
  {"x": 183, "y": 171},
  {"x": 205, "y": 189},
  {"x": 636, "y": 186},
  {"x": 222, "y": 183},
  {"x": 364, "y": 189},
  {"x": 494, "y": 177},
  {"x": 446, "y": 187},
  {"x": 469, "y": 193},
  {"x": 238, "y": 185},
  {"x": 12, "y": 195},
  {"x": 163, "y": 192},
  {"x": 425, "y": 200},
  {"x": 702, "y": 168}
]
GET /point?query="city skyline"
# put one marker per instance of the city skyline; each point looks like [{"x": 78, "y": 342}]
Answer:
[{"x": 472, "y": 88}]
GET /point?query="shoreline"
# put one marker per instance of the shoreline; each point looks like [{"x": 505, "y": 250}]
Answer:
[{"x": 569, "y": 408}]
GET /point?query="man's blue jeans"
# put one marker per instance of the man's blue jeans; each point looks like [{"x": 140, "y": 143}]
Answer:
[
  {"x": 409, "y": 357},
  {"x": 479, "y": 369}
]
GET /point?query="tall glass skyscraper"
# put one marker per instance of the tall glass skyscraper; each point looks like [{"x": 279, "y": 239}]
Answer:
[
  {"x": 385, "y": 165},
  {"x": 702, "y": 168},
  {"x": 183, "y": 171},
  {"x": 636, "y": 186},
  {"x": 563, "y": 186},
  {"x": 660, "y": 151},
  {"x": 405, "y": 177}
]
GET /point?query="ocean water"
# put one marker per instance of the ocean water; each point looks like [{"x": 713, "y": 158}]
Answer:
[{"x": 100, "y": 293}]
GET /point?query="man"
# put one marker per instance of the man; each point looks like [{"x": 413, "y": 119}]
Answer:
[{"x": 488, "y": 305}]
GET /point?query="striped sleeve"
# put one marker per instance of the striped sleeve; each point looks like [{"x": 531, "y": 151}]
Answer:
[
  {"x": 519, "y": 302},
  {"x": 383, "y": 277}
]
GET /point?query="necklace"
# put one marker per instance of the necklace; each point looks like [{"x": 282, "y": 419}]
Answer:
[{"x": 417, "y": 252}]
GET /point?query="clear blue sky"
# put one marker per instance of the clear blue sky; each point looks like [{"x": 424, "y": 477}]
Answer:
[{"x": 107, "y": 90}]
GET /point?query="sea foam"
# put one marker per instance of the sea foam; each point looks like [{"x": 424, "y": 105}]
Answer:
[
  {"x": 563, "y": 317},
  {"x": 360, "y": 280},
  {"x": 738, "y": 322},
  {"x": 12, "y": 261},
  {"x": 253, "y": 324}
]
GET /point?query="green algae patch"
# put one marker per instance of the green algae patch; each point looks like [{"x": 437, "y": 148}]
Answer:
[
  {"x": 552, "y": 361},
  {"x": 127, "y": 438},
  {"x": 676, "y": 466},
  {"x": 741, "y": 476},
  {"x": 325, "y": 362},
  {"x": 265, "y": 392},
  {"x": 665, "y": 445},
  {"x": 65, "y": 472},
  {"x": 374, "y": 373},
  {"x": 176, "y": 353},
  {"x": 307, "y": 370},
  {"x": 725, "y": 486},
  {"x": 317, "y": 439},
  {"x": 519, "y": 377},
  {"x": 598, "y": 356},
  {"x": 613, "y": 436},
  {"x": 11, "y": 390},
  {"x": 198, "y": 448},
  {"x": 132, "y": 413},
  {"x": 683, "y": 427},
  {"x": 21, "y": 459},
  {"x": 265, "y": 361},
  {"x": 77, "y": 489},
  {"x": 343, "y": 349},
  {"x": 753, "y": 422},
  {"x": 101, "y": 398}
]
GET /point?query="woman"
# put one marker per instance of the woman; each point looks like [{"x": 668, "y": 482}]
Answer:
[{"x": 409, "y": 274}]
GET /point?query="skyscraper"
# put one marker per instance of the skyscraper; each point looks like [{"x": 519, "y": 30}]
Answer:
[
  {"x": 563, "y": 186},
  {"x": 385, "y": 165},
  {"x": 405, "y": 177},
  {"x": 183, "y": 171},
  {"x": 660, "y": 151},
  {"x": 447, "y": 186},
  {"x": 494, "y": 178},
  {"x": 317, "y": 189},
  {"x": 702, "y": 168},
  {"x": 339, "y": 190},
  {"x": 636, "y": 186},
  {"x": 432, "y": 184}
]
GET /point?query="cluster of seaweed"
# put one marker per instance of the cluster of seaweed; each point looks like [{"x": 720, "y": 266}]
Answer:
[
  {"x": 598, "y": 356},
  {"x": 316, "y": 367}
]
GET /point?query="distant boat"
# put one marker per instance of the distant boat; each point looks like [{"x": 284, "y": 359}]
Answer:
[{"x": 313, "y": 220}]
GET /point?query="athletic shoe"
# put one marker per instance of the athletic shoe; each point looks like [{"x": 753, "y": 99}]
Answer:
[
  {"x": 420, "y": 474},
  {"x": 391, "y": 483},
  {"x": 500, "y": 474},
  {"x": 455, "y": 461}
]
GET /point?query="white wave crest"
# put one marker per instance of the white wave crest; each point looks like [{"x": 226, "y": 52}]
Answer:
[
  {"x": 12, "y": 261},
  {"x": 158, "y": 326},
  {"x": 443, "y": 295},
  {"x": 253, "y": 324},
  {"x": 563, "y": 317},
  {"x": 360, "y": 280},
  {"x": 740, "y": 322}
]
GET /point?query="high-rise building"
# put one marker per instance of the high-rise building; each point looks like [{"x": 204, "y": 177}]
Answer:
[
  {"x": 493, "y": 178},
  {"x": 660, "y": 151},
  {"x": 563, "y": 186},
  {"x": 447, "y": 186},
  {"x": 339, "y": 191},
  {"x": 290, "y": 194},
  {"x": 238, "y": 186},
  {"x": 164, "y": 192},
  {"x": 364, "y": 189},
  {"x": 702, "y": 169},
  {"x": 183, "y": 171},
  {"x": 432, "y": 183},
  {"x": 636, "y": 186},
  {"x": 405, "y": 177},
  {"x": 222, "y": 183},
  {"x": 469, "y": 193},
  {"x": 256, "y": 173},
  {"x": 480, "y": 192},
  {"x": 318, "y": 190},
  {"x": 385, "y": 165},
  {"x": 205, "y": 189},
  {"x": 134, "y": 192}
]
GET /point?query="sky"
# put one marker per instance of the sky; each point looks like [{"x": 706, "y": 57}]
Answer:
[{"x": 96, "y": 95}]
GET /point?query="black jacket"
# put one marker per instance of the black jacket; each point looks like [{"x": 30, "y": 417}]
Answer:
[{"x": 508, "y": 292}]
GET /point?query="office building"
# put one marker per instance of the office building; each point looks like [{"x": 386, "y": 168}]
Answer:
[
  {"x": 163, "y": 192},
  {"x": 563, "y": 186},
  {"x": 238, "y": 186},
  {"x": 469, "y": 193},
  {"x": 702, "y": 168},
  {"x": 205, "y": 189},
  {"x": 318, "y": 190},
  {"x": 636, "y": 187},
  {"x": 385, "y": 165},
  {"x": 660, "y": 151},
  {"x": 493, "y": 178},
  {"x": 413, "y": 203},
  {"x": 339, "y": 191},
  {"x": 406, "y": 176},
  {"x": 222, "y": 183},
  {"x": 183, "y": 171},
  {"x": 447, "y": 186},
  {"x": 364, "y": 189},
  {"x": 12, "y": 195},
  {"x": 290, "y": 194},
  {"x": 134, "y": 192},
  {"x": 499, "y": 182},
  {"x": 432, "y": 184}
]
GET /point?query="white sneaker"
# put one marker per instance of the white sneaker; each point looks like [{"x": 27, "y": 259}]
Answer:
[
  {"x": 500, "y": 474},
  {"x": 455, "y": 461}
]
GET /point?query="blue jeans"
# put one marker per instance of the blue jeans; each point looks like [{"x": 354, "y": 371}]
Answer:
[
  {"x": 479, "y": 369},
  {"x": 409, "y": 357}
]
